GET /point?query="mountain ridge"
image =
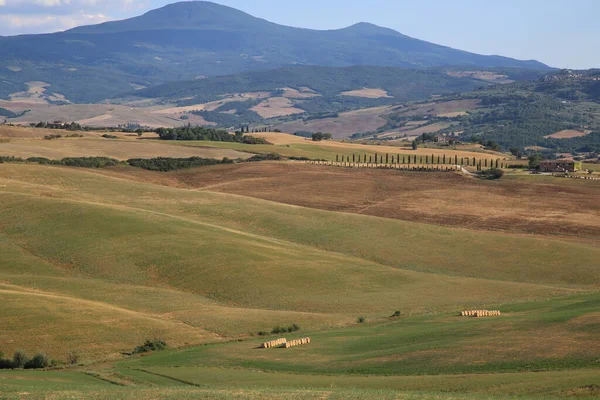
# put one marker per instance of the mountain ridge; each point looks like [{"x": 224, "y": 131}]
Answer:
[{"x": 190, "y": 39}]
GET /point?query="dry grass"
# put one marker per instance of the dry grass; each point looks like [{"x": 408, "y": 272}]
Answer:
[
  {"x": 303, "y": 93},
  {"x": 438, "y": 108},
  {"x": 344, "y": 126},
  {"x": 95, "y": 115},
  {"x": 444, "y": 199},
  {"x": 419, "y": 130},
  {"x": 487, "y": 76},
  {"x": 120, "y": 149},
  {"x": 568, "y": 134},
  {"x": 367, "y": 93},
  {"x": 276, "y": 107}
]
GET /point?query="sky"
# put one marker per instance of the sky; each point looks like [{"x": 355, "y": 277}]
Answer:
[{"x": 559, "y": 33}]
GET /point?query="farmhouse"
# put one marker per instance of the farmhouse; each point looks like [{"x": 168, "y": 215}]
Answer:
[{"x": 557, "y": 166}]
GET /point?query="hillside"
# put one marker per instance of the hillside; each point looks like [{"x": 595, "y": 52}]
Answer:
[
  {"x": 558, "y": 112},
  {"x": 191, "y": 39}
]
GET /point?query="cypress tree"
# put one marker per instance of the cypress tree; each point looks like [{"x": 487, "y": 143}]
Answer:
[
  {"x": 455, "y": 159},
  {"x": 337, "y": 158},
  {"x": 444, "y": 159},
  {"x": 370, "y": 159},
  {"x": 375, "y": 158},
  {"x": 353, "y": 158},
  {"x": 438, "y": 160}
]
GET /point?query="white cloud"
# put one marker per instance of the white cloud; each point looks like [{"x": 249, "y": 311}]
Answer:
[{"x": 39, "y": 23}]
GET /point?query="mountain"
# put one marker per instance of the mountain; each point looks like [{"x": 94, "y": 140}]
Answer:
[{"x": 190, "y": 39}]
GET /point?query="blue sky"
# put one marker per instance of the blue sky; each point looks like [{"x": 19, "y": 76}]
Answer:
[{"x": 559, "y": 33}]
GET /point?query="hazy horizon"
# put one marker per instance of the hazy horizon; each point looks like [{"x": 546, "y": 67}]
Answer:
[{"x": 511, "y": 29}]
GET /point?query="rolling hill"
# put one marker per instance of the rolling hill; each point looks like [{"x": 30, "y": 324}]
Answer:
[{"x": 191, "y": 39}]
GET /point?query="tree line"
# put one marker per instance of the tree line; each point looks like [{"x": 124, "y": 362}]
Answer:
[
  {"x": 388, "y": 158},
  {"x": 207, "y": 134}
]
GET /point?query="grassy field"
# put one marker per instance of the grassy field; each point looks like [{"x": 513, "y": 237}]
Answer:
[
  {"x": 121, "y": 149},
  {"x": 97, "y": 261},
  {"x": 436, "y": 198},
  {"x": 534, "y": 350},
  {"x": 294, "y": 146}
]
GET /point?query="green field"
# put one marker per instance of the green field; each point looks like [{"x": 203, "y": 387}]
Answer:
[{"x": 100, "y": 263}]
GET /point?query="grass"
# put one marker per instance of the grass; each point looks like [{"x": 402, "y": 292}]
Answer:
[
  {"x": 96, "y": 264},
  {"x": 294, "y": 146},
  {"x": 121, "y": 149},
  {"x": 542, "y": 336}
]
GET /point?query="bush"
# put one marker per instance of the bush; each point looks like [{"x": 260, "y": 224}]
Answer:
[
  {"x": 254, "y": 140},
  {"x": 72, "y": 358},
  {"x": 151, "y": 345},
  {"x": 20, "y": 359},
  {"x": 107, "y": 136},
  {"x": 38, "y": 361},
  {"x": 52, "y": 137},
  {"x": 263, "y": 333},
  {"x": 6, "y": 363},
  {"x": 492, "y": 173},
  {"x": 361, "y": 320},
  {"x": 280, "y": 329},
  {"x": 265, "y": 157},
  {"x": 43, "y": 160},
  {"x": 9, "y": 159},
  {"x": 165, "y": 164},
  {"x": 89, "y": 162},
  {"x": 396, "y": 314}
]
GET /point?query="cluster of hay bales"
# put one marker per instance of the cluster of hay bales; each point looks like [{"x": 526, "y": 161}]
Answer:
[
  {"x": 274, "y": 343},
  {"x": 480, "y": 313},
  {"x": 297, "y": 342}
]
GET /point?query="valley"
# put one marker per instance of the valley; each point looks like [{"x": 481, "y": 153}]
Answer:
[{"x": 199, "y": 203}]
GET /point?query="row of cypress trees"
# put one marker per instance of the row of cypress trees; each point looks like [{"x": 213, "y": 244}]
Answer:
[{"x": 423, "y": 160}]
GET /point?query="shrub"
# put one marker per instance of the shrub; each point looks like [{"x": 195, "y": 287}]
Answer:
[
  {"x": 72, "y": 358},
  {"x": 20, "y": 359},
  {"x": 42, "y": 160},
  {"x": 52, "y": 137},
  {"x": 89, "y": 162},
  {"x": 6, "y": 363},
  {"x": 254, "y": 140},
  {"x": 10, "y": 159},
  {"x": 263, "y": 333},
  {"x": 396, "y": 314},
  {"x": 265, "y": 157},
  {"x": 151, "y": 345},
  {"x": 165, "y": 164},
  {"x": 38, "y": 361},
  {"x": 107, "y": 136},
  {"x": 361, "y": 320},
  {"x": 492, "y": 173},
  {"x": 280, "y": 329}
]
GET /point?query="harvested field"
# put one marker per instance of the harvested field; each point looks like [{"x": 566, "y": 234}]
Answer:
[
  {"x": 438, "y": 108},
  {"x": 487, "y": 76},
  {"x": 568, "y": 134},
  {"x": 94, "y": 115},
  {"x": 115, "y": 148},
  {"x": 303, "y": 93},
  {"x": 276, "y": 107},
  {"x": 367, "y": 93},
  {"x": 431, "y": 128},
  {"x": 516, "y": 206},
  {"x": 344, "y": 126}
]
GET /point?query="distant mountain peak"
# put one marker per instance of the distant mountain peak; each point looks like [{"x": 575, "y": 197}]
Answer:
[{"x": 369, "y": 28}]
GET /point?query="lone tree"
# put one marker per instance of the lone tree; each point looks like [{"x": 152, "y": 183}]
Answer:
[
  {"x": 415, "y": 145},
  {"x": 534, "y": 161}
]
